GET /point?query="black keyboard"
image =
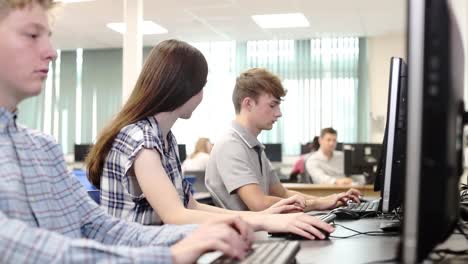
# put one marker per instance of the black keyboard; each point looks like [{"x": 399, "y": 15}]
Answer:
[
  {"x": 275, "y": 252},
  {"x": 363, "y": 208}
]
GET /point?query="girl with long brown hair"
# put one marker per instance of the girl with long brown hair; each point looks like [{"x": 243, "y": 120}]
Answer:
[{"x": 135, "y": 161}]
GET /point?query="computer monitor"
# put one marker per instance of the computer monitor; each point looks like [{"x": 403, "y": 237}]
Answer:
[
  {"x": 391, "y": 167},
  {"x": 339, "y": 146},
  {"x": 81, "y": 151},
  {"x": 182, "y": 152},
  {"x": 312, "y": 146},
  {"x": 306, "y": 148},
  {"x": 361, "y": 158},
  {"x": 435, "y": 124},
  {"x": 273, "y": 152}
]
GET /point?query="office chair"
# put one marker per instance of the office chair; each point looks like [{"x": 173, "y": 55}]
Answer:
[
  {"x": 217, "y": 202},
  {"x": 305, "y": 177},
  {"x": 199, "y": 185}
]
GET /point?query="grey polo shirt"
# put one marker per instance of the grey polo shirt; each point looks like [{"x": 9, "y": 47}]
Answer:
[{"x": 234, "y": 162}]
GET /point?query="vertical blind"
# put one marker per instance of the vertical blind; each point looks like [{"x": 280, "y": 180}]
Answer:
[{"x": 83, "y": 91}]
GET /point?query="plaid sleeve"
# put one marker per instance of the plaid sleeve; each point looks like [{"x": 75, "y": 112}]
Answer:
[
  {"x": 132, "y": 142},
  {"x": 20, "y": 243},
  {"x": 137, "y": 139},
  {"x": 98, "y": 225},
  {"x": 188, "y": 189}
]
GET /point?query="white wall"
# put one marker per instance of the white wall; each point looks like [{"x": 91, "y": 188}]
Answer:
[{"x": 380, "y": 50}]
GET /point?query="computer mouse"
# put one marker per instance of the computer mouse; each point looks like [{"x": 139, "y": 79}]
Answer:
[
  {"x": 342, "y": 214},
  {"x": 292, "y": 236},
  {"x": 328, "y": 218}
]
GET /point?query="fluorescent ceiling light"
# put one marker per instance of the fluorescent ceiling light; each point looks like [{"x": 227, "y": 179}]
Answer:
[
  {"x": 148, "y": 28},
  {"x": 291, "y": 20}
]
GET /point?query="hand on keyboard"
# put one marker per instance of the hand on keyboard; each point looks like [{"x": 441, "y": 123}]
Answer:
[
  {"x": 271, "y": 252},
  {"x": 293, "y": 204},
  {"x": 335, "y": 200},
  {"x": 299, "y": 223},
  {"x": 233, "y": 237}
]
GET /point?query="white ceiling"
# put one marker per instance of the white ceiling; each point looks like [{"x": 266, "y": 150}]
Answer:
[{"x": 83, "y": 25}]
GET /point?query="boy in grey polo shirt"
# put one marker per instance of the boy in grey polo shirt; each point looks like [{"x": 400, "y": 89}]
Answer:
[{"x": 239, "y": 175}]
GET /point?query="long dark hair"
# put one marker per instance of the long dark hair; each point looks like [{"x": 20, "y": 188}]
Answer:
[{"x": 173, "y": 73}]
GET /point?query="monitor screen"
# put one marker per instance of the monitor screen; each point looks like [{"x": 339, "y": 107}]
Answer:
[
  {"x": 182, "y": 152},
  {"x": 306, "y": 148},
  {"x": 361, "y": 158},
  {"x": 273, "y": 152},
  {"x": 435, "y": 115},
  {"x": 339, "y": 146},
  {"x": 391, "y": 168},
  {"x": 81, "y": 151},
  {"x": 313, "y": 146}
]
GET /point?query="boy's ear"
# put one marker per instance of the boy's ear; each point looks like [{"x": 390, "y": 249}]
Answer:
[{"x": 247, "y": 103}]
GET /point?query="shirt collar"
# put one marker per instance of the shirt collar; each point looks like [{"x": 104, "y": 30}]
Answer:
[
  {"x": 246, "y": 136},
  {"x": 322, "y": 156},
  {"x": 7, "y": 119}
]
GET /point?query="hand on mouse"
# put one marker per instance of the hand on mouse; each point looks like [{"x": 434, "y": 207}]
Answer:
[{"x": 298, "y": 223}]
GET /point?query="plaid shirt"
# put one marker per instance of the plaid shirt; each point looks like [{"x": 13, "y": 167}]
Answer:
[
  {"x": 121, "y": 194},
  {"x": 46, "y": 215}
]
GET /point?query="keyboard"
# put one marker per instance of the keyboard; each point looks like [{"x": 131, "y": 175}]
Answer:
[
  {"x": 363, "y": 208},
  {"x": 275, "y": 252}
]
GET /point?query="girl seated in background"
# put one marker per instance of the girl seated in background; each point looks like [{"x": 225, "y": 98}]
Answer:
[{"x": 198, "y": 160}]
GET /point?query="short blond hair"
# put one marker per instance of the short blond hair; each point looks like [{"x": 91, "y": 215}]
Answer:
[{"x": 7, "y": 5}]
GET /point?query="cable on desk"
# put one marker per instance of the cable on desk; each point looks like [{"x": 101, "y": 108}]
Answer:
[
  {"x": 368, "y": 214},
  {"x": 441, "y": 254},
  {"x": 395, "y": 214},
  {"x": 460, "y": 227},
  {"x": 367, "y": 233}
]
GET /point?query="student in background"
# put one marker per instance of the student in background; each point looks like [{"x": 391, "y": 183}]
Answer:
[
  {"x": 199, "y": 158},
  {"x": 46, "y": 215},
  {"x": 239, "y": 175},
  {"x": 326, "y": 165},
  {"x": 135, "y": 163}
]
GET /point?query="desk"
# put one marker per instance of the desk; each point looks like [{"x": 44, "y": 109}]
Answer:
[
  {"x": 203, "y": 197},
  {"x": 362, "y": 248},
  {"x": 358, "y": 249},
  {"x": 327, "y": 189}
]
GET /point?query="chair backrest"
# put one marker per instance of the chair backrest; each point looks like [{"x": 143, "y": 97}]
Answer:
[
  {"x": 217, "y": 202},
  {"x": 305, "y": 177},
  {"x": 199, "y": 185}
]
